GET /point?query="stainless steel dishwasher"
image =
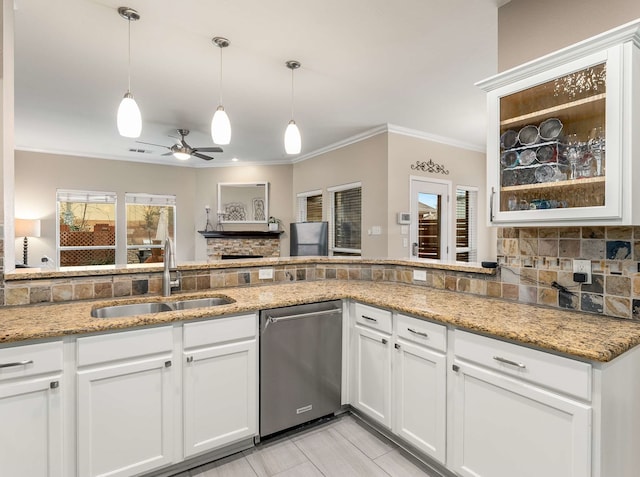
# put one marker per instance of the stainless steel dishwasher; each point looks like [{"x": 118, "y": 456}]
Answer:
[{"x": 300, "y": 364}]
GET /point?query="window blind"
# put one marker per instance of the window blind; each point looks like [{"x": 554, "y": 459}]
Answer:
[
  {"x": 309, "y": 206},
  {"x": 347, "y": 220},
  {"x": 83, "y": 196},
  {"x": 466, "y": 224},
  {"x": 149, "y": 199}
]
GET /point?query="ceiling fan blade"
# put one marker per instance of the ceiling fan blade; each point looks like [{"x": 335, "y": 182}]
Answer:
[
  {"x": 168, "y": 153},
  {"x": 152, "y": 144},
  {"x": 208, "y": 149},
  {"x": 201, "y": 156}
]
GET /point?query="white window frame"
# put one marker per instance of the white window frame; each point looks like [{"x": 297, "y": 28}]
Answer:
[
  {"x": 90, "y": 197},
  {"x": 473, "y": 223},
  {"x": 301, "y": 215},
  {"x": 332, "y": 218},
  {"x": 142, "y": 198}
]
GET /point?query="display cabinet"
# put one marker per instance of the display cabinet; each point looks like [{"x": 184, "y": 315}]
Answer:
[{"x": 561, "y": 140}]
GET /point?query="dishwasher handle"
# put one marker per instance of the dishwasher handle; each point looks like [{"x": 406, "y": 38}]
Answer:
[{"x": 273, "y": 319}]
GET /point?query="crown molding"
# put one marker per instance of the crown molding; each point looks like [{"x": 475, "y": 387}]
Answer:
[
  {"x": 345, "y": 142},
  {"x": 435, "y": 138}
]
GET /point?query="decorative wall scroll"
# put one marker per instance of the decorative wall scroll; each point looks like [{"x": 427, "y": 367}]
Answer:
[{"x": 429, "y": 167}]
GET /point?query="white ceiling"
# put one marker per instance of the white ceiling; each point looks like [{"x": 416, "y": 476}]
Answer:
[{"x": 410, "y": 63}]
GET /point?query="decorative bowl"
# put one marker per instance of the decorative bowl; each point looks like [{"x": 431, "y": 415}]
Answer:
[
  {"x": 527, "y": 157},
  {"x": 550, "y": 129},
  {"x": 509, "y": 158},
  {"x": 546, "y": 154},
  {"x": 509, "y": 139},
  {"x": 528, "y": 135},
  {"x": 545, "y": 173}
]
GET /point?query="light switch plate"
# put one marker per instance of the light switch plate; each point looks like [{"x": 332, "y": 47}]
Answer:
[{"x": 265, "y": 273}]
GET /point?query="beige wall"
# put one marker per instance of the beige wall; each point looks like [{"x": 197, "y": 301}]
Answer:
[
  {"x": 38, "y": 175},
  {"x": 280, "y": 179},
  {"x": 365, "y": 162},
  {"x": 465, "y": 168},
  {"x": 528, "y": 29}
]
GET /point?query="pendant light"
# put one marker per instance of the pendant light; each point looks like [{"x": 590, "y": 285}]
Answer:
[
  {"x": 292, "y": 139},
  {"x": 220, "y": 125},
  {"x": 129, "y": 119}
]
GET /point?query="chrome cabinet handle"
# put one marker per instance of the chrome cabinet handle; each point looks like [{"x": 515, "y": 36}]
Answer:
[
  {"x": 397, "y": 346},
  {"x": 384, "y": 341},
  {"x": 17, "y": 363},
  {"x": 493, "y": 193},
  {"x": 419, "y": 333},
  {"x": 508, "y": 361},
  {"x": 189, "y": 359},
  {"x": 369, "y": 318},
  {"x": 54, "y": 385},
  {"x": 167, "y": 364}
]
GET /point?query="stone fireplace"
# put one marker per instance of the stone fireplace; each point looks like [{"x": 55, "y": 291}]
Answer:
[{"x": 236, "y": 244}]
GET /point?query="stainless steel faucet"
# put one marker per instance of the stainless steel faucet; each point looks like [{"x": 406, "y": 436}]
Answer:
[{"x": 169, "y": 266}]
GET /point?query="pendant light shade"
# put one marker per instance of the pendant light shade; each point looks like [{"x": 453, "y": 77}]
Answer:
[
  {"x": 129, "y": 119},
  {"x": 292, "y": 139},
  {"x": 220, "y": 124},
  {"x": 221, "y": 127}
]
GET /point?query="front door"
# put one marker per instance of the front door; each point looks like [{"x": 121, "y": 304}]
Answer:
[{"x": 430, "y": 213}]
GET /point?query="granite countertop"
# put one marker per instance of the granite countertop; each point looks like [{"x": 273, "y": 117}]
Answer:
[{"x": 572, "y": 333}]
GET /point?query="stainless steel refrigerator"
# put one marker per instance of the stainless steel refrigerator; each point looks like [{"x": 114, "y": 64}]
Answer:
[{"x": 309, "y": 238}]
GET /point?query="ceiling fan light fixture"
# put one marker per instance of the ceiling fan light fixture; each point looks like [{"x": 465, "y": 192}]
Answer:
[
  {"x": 220, "y": 124},
  {"x": 181, "y": 155},
  {"x": 220, "y": 127},
  {"x": 129, "y": 119},
  {"x": 292, "y": 139}
]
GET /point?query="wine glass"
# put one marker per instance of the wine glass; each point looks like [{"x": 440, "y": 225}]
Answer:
[
  {"x": 596, "y": 145},
  {"x": 572, "y": 152}
]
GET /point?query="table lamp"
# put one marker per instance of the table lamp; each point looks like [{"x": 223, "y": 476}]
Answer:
[{"x": 27, "y": 228}]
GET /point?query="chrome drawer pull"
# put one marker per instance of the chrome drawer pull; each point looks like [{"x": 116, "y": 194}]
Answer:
[
  {"x": 17, "y": 363},
  {"x": 508, "y": 361},
  {"x": 419, "y": 333},
  {"x": 369, "y": 318}
]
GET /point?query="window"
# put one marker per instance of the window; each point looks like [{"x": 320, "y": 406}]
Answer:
[
  {"x": 86, "y": 228},
  {"x": 346, "y": 219},
  {"x": 310, "y": 206},
  {"x": 150, "y": 220},
  {"x": 466, "y": 224}
]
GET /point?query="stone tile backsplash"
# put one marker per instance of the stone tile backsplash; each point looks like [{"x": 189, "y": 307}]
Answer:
[{"x": 531, "y": 260}]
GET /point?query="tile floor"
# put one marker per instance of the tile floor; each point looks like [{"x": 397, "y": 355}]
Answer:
[{"x": 342, "y": 447}]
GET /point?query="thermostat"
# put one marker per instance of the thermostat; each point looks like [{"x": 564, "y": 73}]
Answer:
[{"x": 404, "y": 218}]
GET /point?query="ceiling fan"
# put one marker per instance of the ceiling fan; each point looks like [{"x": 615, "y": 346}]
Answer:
[{"x": 183, "y": 151}]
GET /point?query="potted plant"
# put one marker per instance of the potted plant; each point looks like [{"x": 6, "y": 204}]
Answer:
[{"x": 274, "y": 224}]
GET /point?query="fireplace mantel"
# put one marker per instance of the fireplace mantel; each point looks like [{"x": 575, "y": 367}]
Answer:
[{"x": 241, "y": 234}]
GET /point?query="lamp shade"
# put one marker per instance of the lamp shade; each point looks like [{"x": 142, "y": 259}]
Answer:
[
  {"x": 27, "y": 228},
  {"x": 220, "y": 127},
  {"x": 129, "y": 118},
  {"x": 292, "y": 139}
]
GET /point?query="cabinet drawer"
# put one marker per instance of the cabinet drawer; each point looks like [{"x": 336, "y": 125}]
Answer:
[
  {"x": 30, "y": 360},
  {"x": 219, "y": 330},
  {"x": 422, "y": 332},
  {"x": 555, "y": 372},
  {"x": 124, "y": 345},
  {"x": 373, "y": 317}
]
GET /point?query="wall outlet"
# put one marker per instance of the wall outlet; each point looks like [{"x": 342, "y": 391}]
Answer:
[
  {"x": 265, "y": 273},
  {"x": 420, "y": 275},
  {"x": 583, "y": 266}
]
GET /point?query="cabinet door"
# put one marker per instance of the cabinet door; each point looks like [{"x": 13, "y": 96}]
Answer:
[
  {"x": 31, "y": 428},
  {"x": 125, "y": 420},
  {"x": 420, "y": 396},
  {"x": 505, "y": 428},
  {"x": 372, "y": 374},
  {"x": 220, "y": 396}
]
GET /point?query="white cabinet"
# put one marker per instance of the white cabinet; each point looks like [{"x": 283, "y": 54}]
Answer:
[
  {"x": 125, "y": 385},
  {"x": 31, "y": 431},
  {"x": 220, "y": 399},
  {"x": 371, "y": 354},
  {"x": 563, "y": 138},
  {"x": 399, "y": 376},
  {"x": 511, "y": 415},
  {"x": 420, "y": 391}
]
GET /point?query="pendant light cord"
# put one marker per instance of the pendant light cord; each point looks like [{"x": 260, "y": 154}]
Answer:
[
  {"x": 129, "y": 65},
  {"x": 292, "y": 91},
  {"x": 220, "y": 91}
]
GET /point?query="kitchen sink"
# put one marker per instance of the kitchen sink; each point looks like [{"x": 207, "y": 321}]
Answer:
[{"x": 120, "y": 311}]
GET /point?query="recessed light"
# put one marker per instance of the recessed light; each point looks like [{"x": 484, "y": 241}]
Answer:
[{"x": 235, "y": 159}]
